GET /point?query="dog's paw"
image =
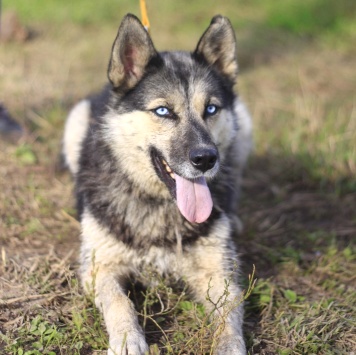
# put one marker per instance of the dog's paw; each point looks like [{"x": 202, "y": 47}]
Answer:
[
  {"x": 130, "y": 343},
  {"x": 230, "y": 345}
]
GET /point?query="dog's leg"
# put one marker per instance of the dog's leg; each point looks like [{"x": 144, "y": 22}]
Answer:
[
  {"x": 208, "y": 270},
  {"x": 125, "y": 334},
  {"x": 104, "y": 271}
]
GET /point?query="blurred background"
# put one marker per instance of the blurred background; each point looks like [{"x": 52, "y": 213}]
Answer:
[
  {"x": 297, "y": 64},
  {"x": 298, "y": 77}
]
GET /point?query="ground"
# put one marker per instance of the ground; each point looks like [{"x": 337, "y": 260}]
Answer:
[{"x": 298, "y": 202}]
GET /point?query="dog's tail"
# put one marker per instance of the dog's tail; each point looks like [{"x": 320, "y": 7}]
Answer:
[{"x": 75, "y": 131}]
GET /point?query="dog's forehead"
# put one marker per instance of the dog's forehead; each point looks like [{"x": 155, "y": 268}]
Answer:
[
  {"x": 183, "y": 79},
  {"x": 182, "y": 68},
  {"x": 179, "y": 61}
]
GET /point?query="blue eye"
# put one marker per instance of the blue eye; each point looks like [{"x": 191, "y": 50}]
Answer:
[
  {"x": 211, "y": 110},
  {"x": 162, "y": 111}
]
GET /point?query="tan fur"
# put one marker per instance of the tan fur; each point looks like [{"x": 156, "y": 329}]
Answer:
[{"x": 129, "y": 128}]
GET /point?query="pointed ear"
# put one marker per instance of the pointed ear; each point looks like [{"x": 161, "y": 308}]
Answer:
[
  {"x": 218, "y": 47},
  {"x": 131, "y": 52}
]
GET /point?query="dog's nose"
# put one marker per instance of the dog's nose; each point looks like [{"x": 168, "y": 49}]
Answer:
[{"x": 203, "y": 159}]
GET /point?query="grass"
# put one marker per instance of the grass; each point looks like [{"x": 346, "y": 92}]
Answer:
[
  {"x": 313, "y": 313},
  {"x": 80, "y": 12},
  {"x": 311, "y": 17},
  {"x": 61, "y": 319},
  {"x": 298, "y": 204}
]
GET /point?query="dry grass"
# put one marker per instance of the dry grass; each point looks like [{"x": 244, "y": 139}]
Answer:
[
  {"x": 314, "y": 119},
  {"x": 298, "y": 205}
]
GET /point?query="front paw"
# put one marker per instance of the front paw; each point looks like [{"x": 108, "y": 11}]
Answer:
[
  {"x": 230, "y": 345},
  {"x": 128, "y": 343}
]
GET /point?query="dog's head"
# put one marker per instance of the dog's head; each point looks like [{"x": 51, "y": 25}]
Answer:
[{"x": 171, "y": 118}]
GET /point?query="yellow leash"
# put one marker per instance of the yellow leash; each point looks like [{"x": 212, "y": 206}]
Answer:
[{"x": 144, "y": 17}]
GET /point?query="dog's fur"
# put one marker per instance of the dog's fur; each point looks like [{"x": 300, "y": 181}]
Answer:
[{"x": 174, "y": 109}]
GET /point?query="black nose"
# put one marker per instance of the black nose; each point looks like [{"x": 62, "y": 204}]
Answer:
[{"x": 203, "y": 159}]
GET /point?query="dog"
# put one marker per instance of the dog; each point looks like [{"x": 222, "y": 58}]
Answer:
[{"x": 157, "y": 159}]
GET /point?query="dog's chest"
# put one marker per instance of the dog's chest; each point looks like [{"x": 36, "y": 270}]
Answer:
[{"x": 111, "y": 252}]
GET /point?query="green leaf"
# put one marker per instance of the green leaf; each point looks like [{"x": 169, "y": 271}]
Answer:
[
  {"x": 79, "y": 345},
  {"x": 42, "y": 328},
  {"x": 49, "y": 331},
  {"x": 26, "y": 155},
  {"x": 290, "y": 295},
  {"x": 200, "y": 310},
  {"x": 186, "y": 305},
  {"x": 285, "y": 352},
  {"x": 265, "y": 299},
  {"x": 33, "y": 327},
  {"x": 37, "y": 345},
  {"x": 348, "y": 253}
]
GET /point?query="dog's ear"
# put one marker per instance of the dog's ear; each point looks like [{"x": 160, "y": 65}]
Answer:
[
  {"x": 218, "y": 47},
  {"x": 131, "y": 52}
]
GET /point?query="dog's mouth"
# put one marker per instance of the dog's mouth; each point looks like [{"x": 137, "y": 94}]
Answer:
[
  {"x": 164, "y": 172},
  {"x": 192, "y": 195}
]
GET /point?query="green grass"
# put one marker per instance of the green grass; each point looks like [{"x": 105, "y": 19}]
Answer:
[
  {"x": 314, "y": 318},
  {"x": 298, "y": 204},
  {"x": 54, "y": 327},
  {"x": 63, "y": 12},
  {"x": 66, "y": 322},
  {"x": 310, "y": 17},
  {"x": 321, "y": 140}
]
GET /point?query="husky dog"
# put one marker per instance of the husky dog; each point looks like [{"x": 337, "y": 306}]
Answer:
[{"x": 157, "y": 159}]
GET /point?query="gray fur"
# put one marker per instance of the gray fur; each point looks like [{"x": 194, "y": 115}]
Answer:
[{"x": 128, "y": 211}]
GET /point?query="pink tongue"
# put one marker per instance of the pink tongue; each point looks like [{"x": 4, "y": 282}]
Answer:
[{"x": 193, "y": 199}]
